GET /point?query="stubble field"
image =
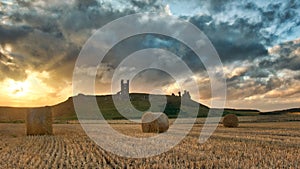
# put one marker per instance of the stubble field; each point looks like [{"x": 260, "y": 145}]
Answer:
[{"x": 252, "y": 145}]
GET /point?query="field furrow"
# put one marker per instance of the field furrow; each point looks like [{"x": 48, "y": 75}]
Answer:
[{"x": 249, "y": 146}]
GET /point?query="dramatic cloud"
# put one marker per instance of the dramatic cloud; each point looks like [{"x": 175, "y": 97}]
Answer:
[
  {"x": 287, "y": 56},
  {"x": 257, "y": 41},
  {"x": 11, "y": 34}
]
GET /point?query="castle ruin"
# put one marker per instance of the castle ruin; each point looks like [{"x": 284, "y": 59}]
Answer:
[
  {"x": 124, "y": 88},
  {"x": 125, "y": 91},
  {"x": 186, "y": 95}
]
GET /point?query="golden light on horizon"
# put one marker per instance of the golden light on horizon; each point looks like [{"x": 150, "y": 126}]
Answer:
[
  {"x": 31, "y": 92},
  {"x": 17, "y": 89},
  {"x": 8, "y": 48},
  {"x": 172, "y": 88}
]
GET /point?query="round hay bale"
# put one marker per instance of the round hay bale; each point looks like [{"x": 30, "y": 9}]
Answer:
[
  {"x": 230, "y": 120},
  {"x": 39, "y": 121},
  {"x": 155, "y": 122}
]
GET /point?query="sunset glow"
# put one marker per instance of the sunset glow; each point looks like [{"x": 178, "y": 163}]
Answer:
[
  {"x": 30, "y": 92},
  {"x": 258, "y": 43},
  {"x": 17, "y": 89}
]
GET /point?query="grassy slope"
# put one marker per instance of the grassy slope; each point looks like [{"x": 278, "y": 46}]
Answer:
[
  {"x": 280, "y": 112},
  {"x": 65, "y": 110},
  {"x": 140, "y": 101}
]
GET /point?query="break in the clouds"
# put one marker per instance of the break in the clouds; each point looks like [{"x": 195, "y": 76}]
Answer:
[{"x": 257, "y": 41}]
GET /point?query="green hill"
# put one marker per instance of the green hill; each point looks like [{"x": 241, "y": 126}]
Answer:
[
  {"x": 140, "y": 101},
  {"x": 281, "y": 112},
  {"x": 65, "y": 111}
]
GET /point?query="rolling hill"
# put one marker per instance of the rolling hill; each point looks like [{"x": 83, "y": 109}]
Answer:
[
  {"x": 65, "y": 111},
  {"x": 280, "y": 112}
]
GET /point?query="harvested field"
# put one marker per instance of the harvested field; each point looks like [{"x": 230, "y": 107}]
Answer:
[{"x": 252, "y": 145}]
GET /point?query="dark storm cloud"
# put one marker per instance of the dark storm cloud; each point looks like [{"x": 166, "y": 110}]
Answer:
[
  {"x": 9, "y": 69},
  {"x": 288, "y": 57},
  {"x": 9, "y": 66},
  {"x": 152, "y": 79},
  {"x": 73, "y": 23},
  {"x": 150, "y": 5},
  {"x": 135, "y": 43},
  {"x": 49, "y": 37},
  {"x": 256, "y": 72},
  {"x": 282, "y": 63},
  {"x": 42, "y": 22},
  {"x": 237, "y": 41},
  {"x": 276, "y": 82},
  {"x": 138, "y": 42},
  {"x": 241, "y": 31},
  {"x": 83, "y": 17},
  {"x": 257, "y": 80},
  {"x": 217, "y": 6},
  {"x": 241, "y": 89},
  {"x": 243, "y": 38},
  {"x": 277, "y": 12},
  {"x": 84, "y": 4},
  {"x": 39, "y": 50},
  {"x": 178, "y": 48},
  {"x": 24, "y": 3},
  {"x": 9, "y": 34},
  {"x": 297, "y": 77}
]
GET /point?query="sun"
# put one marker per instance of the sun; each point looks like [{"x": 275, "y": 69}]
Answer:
[
  {"x": 17, "y": 88},
  {"x": 8, "y": 48},
  {"x": 30, "y": 92}
]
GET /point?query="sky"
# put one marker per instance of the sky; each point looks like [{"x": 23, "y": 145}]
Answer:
[{"x": 258, "y": 43}]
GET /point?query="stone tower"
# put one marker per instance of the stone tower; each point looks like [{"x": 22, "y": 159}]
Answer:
[
  {"x": 186, "y": 95},
  {"x": 124, "y": 87}
]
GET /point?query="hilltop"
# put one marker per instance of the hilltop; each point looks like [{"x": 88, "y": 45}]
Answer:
[
  {"x": 281, "y": 112},
  {"x": 65, "y": 111}
]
